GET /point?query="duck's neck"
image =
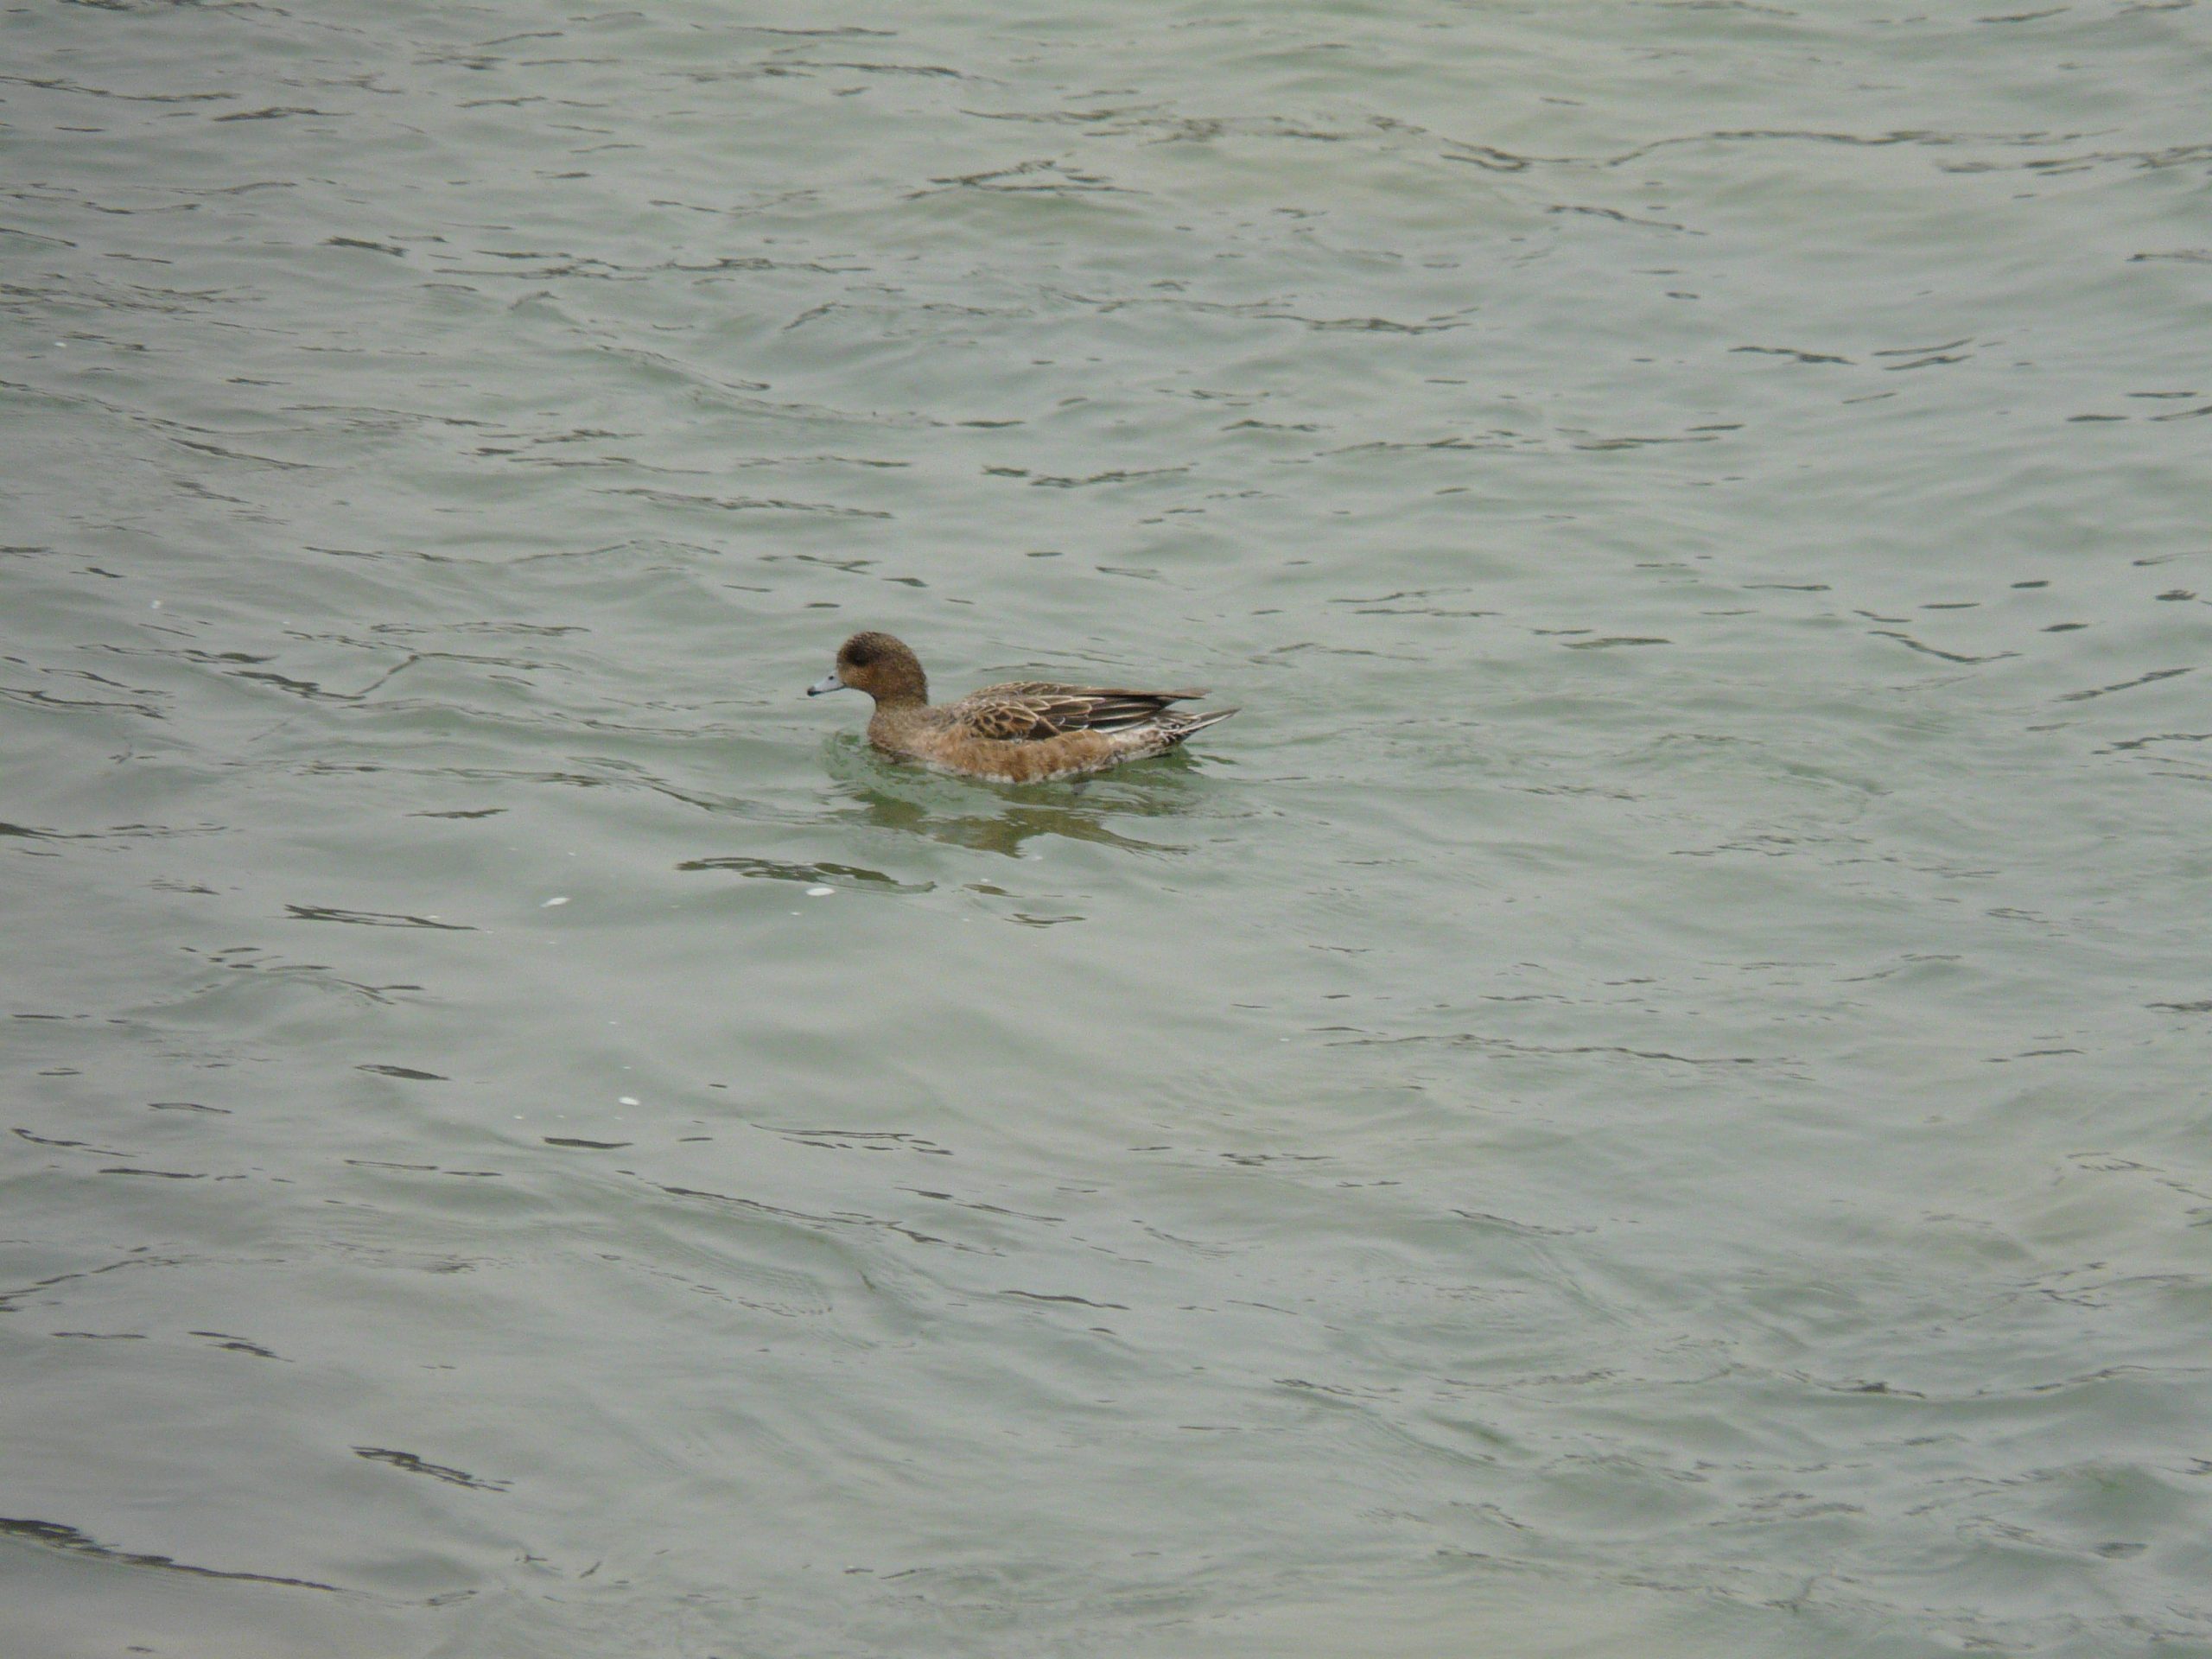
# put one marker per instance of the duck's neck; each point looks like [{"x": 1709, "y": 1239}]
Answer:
[{"x": 906, "y": 689}]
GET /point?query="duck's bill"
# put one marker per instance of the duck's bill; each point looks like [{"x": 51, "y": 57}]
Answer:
[{"x": 826, "y": 683}]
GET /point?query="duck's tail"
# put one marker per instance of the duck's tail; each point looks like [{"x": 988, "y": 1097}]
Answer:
[{"x": 1175, "y": 727}]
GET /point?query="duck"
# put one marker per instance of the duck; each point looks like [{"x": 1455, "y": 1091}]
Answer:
[{"x": 1024, "y": 732}]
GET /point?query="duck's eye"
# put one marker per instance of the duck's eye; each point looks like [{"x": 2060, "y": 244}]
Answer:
[{"x": 859, "y": 656}]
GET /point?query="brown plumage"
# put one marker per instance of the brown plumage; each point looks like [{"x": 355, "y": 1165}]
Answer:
[{"x": 1018, "y": 733}]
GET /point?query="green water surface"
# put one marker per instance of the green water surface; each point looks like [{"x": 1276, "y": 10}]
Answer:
[{"x": 1646, "y": 1097}]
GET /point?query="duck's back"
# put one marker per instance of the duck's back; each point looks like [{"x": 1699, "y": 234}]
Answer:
[{"x": 1035, "y": 711}]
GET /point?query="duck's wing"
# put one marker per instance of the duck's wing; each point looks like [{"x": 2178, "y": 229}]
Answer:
[{"x": 1030, "y": 710}]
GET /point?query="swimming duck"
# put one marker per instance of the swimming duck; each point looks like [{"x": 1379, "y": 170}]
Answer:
[{"x": 1021, "y": 733}]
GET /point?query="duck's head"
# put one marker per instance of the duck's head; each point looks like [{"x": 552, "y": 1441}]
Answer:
[{"x": 880, "y": 665}]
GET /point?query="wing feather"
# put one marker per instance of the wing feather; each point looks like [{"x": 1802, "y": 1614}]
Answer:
[{"x": 1032, "y": 710}]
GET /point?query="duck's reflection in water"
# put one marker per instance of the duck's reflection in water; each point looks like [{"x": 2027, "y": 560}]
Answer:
[{"x": 1002, "y": 818}]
